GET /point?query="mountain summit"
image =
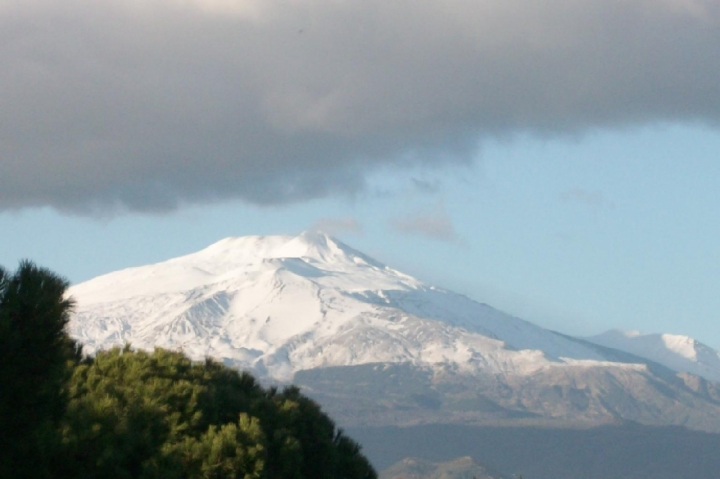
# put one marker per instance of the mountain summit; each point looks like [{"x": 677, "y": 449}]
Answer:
[
  {"x": 677, "y": 352},
  {"x": 374, "y": 344},
  {"x": 279, "y": 304}
]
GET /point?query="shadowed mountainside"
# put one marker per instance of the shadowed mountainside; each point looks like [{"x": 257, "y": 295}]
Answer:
[
  {"x": 630, "y": 451},
  {"x": 460, "y": 468}
]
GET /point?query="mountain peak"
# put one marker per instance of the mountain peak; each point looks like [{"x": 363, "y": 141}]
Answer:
[
  {"x": 279, "y": 304},
  {"x": 310, "y": 246},
  {"x": 282, "y": 306},
  {"x": 678, "y": 352},
  {"x": 316, "y": 238},
  {"x": 313, "y": 245}
]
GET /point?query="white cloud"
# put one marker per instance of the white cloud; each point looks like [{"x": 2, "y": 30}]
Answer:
[
  {"x": 336, "y": 226},
  {"x": 435, "y": 225}
]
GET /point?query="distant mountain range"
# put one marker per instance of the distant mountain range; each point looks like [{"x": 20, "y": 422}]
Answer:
[
  {"x": 376, "y": 346},
  {"x": 679, "y": 353}
]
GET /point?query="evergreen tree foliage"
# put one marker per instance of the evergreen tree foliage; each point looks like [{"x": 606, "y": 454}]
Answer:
[
  {"x": 144, "y": 415},
  {"x": 232, "y": 450},
  {"x": 35, "y": 362}
]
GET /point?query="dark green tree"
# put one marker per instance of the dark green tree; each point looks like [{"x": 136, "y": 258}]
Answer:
[
  {"x": 229, "y": 451},
  {"x": 35, "y": 362},
  {"x": 141, "y": 415},
  {"x": 135, "y": 414}
]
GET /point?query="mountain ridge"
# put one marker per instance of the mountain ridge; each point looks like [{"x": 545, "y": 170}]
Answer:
[
  {"x": 311, "y": 310},
  {"x": 677, "y": 352},
  {"x": 241, "y": 280}
]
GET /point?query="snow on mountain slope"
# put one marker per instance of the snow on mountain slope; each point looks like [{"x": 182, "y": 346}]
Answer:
[
  {"x": 679, "y": 353},
  {"x": 280, "y": 304}
]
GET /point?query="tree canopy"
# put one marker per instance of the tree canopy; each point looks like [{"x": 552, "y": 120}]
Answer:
[{"x": 137, "y": 414}]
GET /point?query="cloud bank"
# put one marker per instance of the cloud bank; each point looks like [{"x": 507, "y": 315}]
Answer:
[{"x": 147, "y": 105}]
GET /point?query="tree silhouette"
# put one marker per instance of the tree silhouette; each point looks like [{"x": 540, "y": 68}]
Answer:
[{"x": 35, "y": 351}]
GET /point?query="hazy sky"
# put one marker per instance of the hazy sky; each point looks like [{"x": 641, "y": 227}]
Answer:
[{"x": 555, "y": 159}]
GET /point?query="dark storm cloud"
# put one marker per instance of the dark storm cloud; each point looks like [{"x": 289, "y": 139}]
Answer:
[{"x": 147, "y": 105}]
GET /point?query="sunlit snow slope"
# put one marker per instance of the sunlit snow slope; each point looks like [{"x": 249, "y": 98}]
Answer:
[
  {"x": 280, "y": 304},
  {"x": 679, "y": 353}
]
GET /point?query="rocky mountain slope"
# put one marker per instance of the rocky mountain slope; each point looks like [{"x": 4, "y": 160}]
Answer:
[
  {"x": 374, "y": 344},
  {"x": 631, "y": 451},
  {"x": 460, "y": 468}
]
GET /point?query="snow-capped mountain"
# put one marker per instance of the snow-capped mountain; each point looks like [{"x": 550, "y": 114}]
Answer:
[
  {"x": 374, "y": 345},
  {"x": 280, "y": 304},
  {"x": 679, "y": 353}
]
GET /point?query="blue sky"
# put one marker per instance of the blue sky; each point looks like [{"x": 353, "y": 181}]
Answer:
[
  {"x": 614, "y": 229},
  {"x": 557, "y": 160}
]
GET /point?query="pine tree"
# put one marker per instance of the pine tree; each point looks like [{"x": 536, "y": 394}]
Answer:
[
  {"x": 135, "y": 414},
  {"x": 35, "y": 353},
  {"x": 141, "y": 415}
]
